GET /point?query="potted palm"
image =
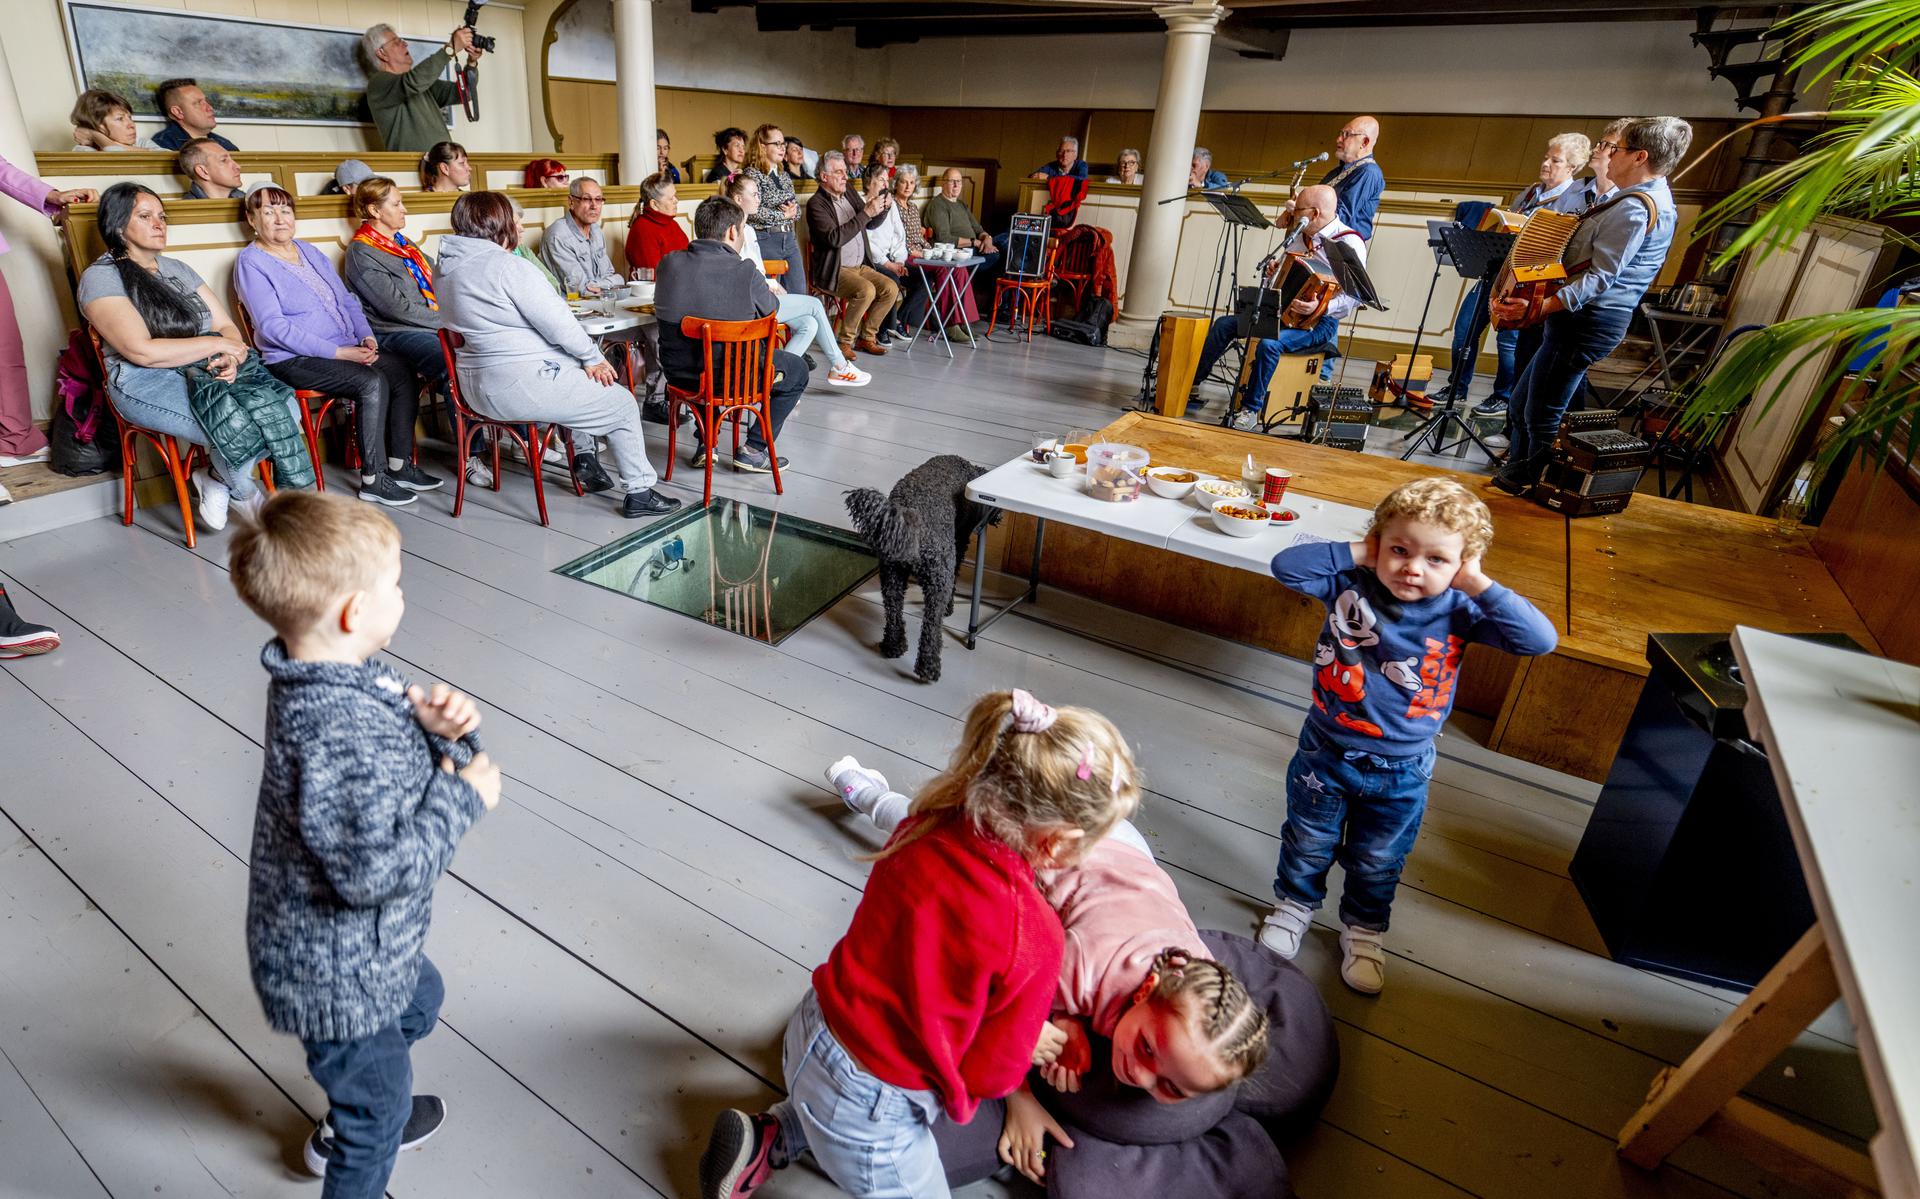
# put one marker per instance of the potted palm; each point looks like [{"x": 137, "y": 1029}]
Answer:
[{"x": 1864, "y": 164}]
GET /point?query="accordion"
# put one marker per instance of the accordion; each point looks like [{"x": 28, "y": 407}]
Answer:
[
  {"x": 1534, "y": 271},
  {"x": 1297, "y": 277}
]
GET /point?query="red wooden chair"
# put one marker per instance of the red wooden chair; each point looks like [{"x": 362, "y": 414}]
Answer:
[
  {"x": 1074, "y": 270},
  {"x": 311, "y": 417},
  {"x": 178, "y": 460},
  {"x": 532, "y": 438},
  {"x": 744, "y": 385},
  {"x": 1032, "y": 295}
]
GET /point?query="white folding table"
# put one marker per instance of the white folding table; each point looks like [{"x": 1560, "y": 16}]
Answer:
[{"x": 1842, "y": 733}]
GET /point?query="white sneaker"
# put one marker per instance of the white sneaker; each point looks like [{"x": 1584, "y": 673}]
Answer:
[
  {"x": 214, "y": 499},
  {"x": 5, "y": 496},
  {"x": 1363, "y": 960},
  {"x": 478, "y": 472},
  {"x": 1495, "y": 441},
  {"x": 1283, "y": 927},
  {"x": 39, "y": 455},
  {"x": 1247, "y": 420},
  {"x": 860, "y": 787},
  {"x": 848, "y": 376},
  {"x": 554, "y": 456}
]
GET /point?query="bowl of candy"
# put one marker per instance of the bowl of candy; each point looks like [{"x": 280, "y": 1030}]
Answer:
[
  {"x": 1240, "y": 517},
  {"x": 1116, "y": 473},
  {"x": 1209, "y": 492},
  {"x": 1172, "y": 482}
]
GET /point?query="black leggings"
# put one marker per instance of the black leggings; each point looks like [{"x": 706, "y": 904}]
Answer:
[{"x": 385, "y": 399}]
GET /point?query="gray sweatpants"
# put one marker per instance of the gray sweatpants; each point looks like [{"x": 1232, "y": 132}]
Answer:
[{"x": 557, "y": 392}]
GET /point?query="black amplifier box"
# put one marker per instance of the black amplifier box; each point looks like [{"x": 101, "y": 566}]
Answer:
[
  {"x": 1338, "y": 417},
  {"x": 1570, "y": 503},
  {"x": 1567, "y": 477}
]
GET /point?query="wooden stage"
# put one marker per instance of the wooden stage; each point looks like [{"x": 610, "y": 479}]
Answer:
[{"x": 1606, "y": 582}]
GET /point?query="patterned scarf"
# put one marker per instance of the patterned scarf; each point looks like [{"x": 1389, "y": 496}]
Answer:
[{"x": 401, "y": 248}]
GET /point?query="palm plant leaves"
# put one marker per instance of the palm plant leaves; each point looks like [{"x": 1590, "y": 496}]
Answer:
[{"x": 1865, "y": 164}]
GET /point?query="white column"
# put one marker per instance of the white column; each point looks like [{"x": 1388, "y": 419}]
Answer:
[
  {"x": 633, "y": 75},
  {"x": 32, "y": 264},
  {"x": 1176, "y": 122}
]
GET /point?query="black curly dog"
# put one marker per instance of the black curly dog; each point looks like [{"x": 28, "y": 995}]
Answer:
[{"x": 920, "y": 531}]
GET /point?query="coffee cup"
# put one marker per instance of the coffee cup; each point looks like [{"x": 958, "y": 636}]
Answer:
[
  {"x": 1061, "y": 465},
  {"x": 1275, "y": 486}
]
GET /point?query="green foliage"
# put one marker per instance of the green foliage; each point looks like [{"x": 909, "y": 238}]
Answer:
[{"x": 1865, "y": 164}]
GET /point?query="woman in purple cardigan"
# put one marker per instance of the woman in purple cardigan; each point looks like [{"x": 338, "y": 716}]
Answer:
[
  {"x": 20, "y": 441},
  {"x": 312, "y": 334}
]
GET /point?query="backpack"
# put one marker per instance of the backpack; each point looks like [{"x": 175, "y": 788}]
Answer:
[
  {"x": 82, "y": 433},
  {"x": 1089, "y": 327}
]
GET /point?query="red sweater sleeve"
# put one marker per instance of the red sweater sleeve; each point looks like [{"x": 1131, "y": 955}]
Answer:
[{"x": 947, "y": 972}]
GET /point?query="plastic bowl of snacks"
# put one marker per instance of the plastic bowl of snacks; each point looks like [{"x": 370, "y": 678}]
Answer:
[
  {"x": 1240, "y": 517},
  {"x": 1208, "y": 492},
  {"x": 1116, "y": 473},
  {"x": 1172, "y": 482}
]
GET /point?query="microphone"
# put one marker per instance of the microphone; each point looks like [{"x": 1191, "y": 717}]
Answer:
[{"x": 1322, "y": 156}]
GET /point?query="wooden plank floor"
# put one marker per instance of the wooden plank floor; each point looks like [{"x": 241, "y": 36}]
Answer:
[{"x": 624, "y": 938}]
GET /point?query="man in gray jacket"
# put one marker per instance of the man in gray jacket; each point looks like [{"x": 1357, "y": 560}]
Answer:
[{"x": 573, "y": 247}]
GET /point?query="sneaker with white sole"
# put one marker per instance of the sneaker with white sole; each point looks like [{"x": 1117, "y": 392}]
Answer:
[
  {"x": 429, "y": 1113},
  {"x": 39, "y": 455},
  {"x": 740, "y": 1154},
  {"x": 554, "y": 456},
  {"x": 214, "y": 499},
  {"x": 1363, "y": 960},
  {"x": 478, "y": 472},
  {"x": 18, "y": 639},
  {"x": 848, "y": 376},
  {"x": 858, "y": 785},
  {"x": 6, "y": 497},
  {"x": 383, "y": 490},
  {"x": 1496, "y": 441},
  {"x": 411, "y": 477},
  {"x": 1284, "y": 926}
]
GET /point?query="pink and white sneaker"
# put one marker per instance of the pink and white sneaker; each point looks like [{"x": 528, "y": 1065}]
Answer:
[{"x": 739, "y": 1154}]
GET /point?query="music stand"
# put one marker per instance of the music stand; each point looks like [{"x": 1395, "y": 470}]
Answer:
[
  {"x": 1473, "y": 254},
  {"x": 1237, "y": 214}
]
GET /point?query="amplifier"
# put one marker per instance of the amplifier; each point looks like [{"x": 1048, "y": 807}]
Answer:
[
  {"x": 1605, "y": 449},
  {"x": 1586, "y": 420},
  {"x": 1338, "y": 417},
  {"x": 1565, "y": 476},
  {"x": 1569, "y": 503}
]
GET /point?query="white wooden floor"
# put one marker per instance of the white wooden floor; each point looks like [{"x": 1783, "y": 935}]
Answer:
[{"x": 624, "y": 938}]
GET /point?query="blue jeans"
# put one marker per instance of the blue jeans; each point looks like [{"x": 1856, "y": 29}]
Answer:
[
  {"x": 806, "y": 320},
  {"x": 785, "y": 247},
  {"x": 1225, "y": 330},
  {"x": 1469, "y": 329},
  {"x": 1570, "y": 343},
  {"x": 369, "y": 1086},
  {"x": 421, "y": 349},
  {"x": 155, "y": 397},
  {"x": 1358, "y": 808},
  {"x": 874, "y": 1140}
]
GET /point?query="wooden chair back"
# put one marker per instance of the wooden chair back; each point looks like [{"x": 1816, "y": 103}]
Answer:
[{"x": 738, "y": 357}]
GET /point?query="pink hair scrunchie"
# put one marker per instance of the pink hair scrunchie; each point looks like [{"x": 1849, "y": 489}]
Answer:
[{"x": 1029, "y": 714}]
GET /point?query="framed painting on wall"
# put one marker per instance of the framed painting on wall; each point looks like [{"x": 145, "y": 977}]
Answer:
[{"x": 253, "y": 71}]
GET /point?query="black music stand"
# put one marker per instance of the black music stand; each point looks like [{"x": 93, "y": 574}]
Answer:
[
  {"x": 1474, "y": 254},
  {"x": 1237, "y": 214}
]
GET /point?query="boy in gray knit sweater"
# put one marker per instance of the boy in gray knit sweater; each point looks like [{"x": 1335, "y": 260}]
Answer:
[{"x": 367, "y": 788}]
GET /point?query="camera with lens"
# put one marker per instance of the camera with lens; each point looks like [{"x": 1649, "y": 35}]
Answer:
[{"x": 480, "y": 40}]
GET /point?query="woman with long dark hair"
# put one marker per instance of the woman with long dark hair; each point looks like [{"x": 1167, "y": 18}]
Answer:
[
  {"x": 157, "y": 318},
  {"x": 312, "y": 333}
]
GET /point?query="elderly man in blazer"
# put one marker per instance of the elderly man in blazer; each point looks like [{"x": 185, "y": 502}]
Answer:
[{"x": 841, "y": 262}]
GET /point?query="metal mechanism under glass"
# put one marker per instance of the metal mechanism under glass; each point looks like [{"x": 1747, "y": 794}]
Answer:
[{"x": 749, "y": 570}]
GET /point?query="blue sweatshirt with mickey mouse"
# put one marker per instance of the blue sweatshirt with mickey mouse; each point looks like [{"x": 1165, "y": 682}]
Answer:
[{"x": 1385, "y": 668}]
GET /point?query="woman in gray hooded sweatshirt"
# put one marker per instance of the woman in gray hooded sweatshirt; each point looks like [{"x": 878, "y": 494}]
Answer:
[{"x": 526, "y": 357}]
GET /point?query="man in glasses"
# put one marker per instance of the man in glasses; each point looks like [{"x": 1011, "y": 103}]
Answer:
[
  {"x": 1355, "y": 177},
  {"x": 1612, "y": 258},
  {"x": 574, "y": 248}
]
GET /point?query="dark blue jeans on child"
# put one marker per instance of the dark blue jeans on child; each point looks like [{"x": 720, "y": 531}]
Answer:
[
  {"x": 369, "y": 1086},
  {"x": 1357, "y": 808}
]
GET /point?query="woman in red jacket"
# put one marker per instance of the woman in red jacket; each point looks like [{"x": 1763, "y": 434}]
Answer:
[
  {"x": 938, "y": 996},
  {"x": 653, "y": 233}
]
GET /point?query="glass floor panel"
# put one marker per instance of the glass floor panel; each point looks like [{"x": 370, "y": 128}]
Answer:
[{"x": 749, "y": 570}]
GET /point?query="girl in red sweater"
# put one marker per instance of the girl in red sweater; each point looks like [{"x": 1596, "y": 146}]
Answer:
[{"x": 938, "y": 995}]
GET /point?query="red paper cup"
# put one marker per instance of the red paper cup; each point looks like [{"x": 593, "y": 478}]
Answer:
[{"x": 1276, "y": 487}]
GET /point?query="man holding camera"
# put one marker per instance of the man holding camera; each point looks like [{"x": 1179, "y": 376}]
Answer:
[{"x": 406, "y": 97}]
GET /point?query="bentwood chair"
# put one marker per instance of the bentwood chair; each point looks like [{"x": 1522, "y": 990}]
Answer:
[
  {"x": 1032, "y": 296},
  {"x": 177, "y": 458},
  {"x": 314, "y": 406},
  {"x": 736, "y": 385},
  {"x": 532, "y": 438}
]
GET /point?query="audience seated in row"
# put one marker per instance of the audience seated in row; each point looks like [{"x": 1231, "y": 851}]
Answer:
[
  {"x": 804, "y": 315},
  {"x": 772, "y": 220},
  {"x": 886, "y": 155},
  {"x": 190, "y": 116},
  {"x": 887, "y": 244},
  {"x": 1128, "y": 167},
  {"x": 103, "y": 120},
  {"x": 211, "y": 166},
  {"x": 313, "y": 335},
  {"x": 842, "y": 260},
  {"x": 154, "y": 315},
  {"x": 800, "y": 160},
  {"x": 732, "y": 145},
  {"x": 853, "y": 148},
  {"x": 653, "y": 234},
  {"x": 526, "y": 357},
  {"x": 1200, "y": 173},
  {"x": 710, "y": 279}
]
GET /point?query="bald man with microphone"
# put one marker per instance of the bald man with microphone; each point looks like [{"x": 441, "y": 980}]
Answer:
[{"x": 1355, "y": 177}]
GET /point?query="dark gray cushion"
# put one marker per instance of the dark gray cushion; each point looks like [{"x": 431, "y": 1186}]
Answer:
[{"x": 1235, "y": 1159}]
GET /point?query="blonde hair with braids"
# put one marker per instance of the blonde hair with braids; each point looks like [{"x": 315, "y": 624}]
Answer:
[
  {"x": 1016, "y": 786},
  {"x": 1217, "y": 1007}
]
